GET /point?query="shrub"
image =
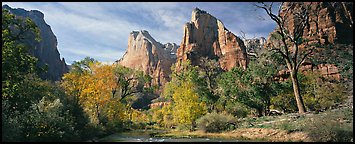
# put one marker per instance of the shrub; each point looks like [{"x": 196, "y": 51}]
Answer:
[
  {"x": 114, "y": 126},
  {"x": 237, "y": 109},
  {"x": 321, "y": 94},
  {"x": 167, "y": 116},
  {"x": 287, "y": 125},
  {"x": 328, "y": 130},
  {"x": 317, "y": 93},
  {"x": 91, "y": 131},
  {"x": 11, "y": 125},
  {"x": 45, "y": 121},
  {"x": 216, "y": 122}
]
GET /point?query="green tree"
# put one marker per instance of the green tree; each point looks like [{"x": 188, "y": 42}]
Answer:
[
  {"x": 48, "y": 121},
  {"x": 319, "y": 93},
  {"x": 209, "y": 70},
  {"x": 291, "y": 39},
  {"x": 252, "y": 87},
  {"x": 16, "y": 60}
]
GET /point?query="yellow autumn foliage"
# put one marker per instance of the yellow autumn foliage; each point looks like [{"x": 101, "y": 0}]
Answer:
[{"x": 187, "y": 107}]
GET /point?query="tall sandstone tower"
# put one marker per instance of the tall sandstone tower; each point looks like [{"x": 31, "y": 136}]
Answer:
[
  {"x": 206, "y": 36},
  {"x": 144, "y": 53}
]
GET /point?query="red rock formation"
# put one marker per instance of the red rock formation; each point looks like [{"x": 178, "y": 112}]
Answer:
[
  {"x": 151, "y": 57},
  {"x": 329, "y": 23},
  {"x": 329, "y": 71},
  {"x": 206, "y": 36}
]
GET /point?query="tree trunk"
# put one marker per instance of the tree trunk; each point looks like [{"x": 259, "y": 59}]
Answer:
[
  {"x": 296, "y": 90},
  {"x": 260, "y": 112},
  {"x": 97, "y": 114}
]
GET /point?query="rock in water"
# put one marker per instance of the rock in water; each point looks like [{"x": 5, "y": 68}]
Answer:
[
  {"x": 206, "y": 36},
  {"x": 46, "y": 50}
]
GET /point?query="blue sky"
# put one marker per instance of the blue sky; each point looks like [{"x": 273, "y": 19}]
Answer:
[{"x": 101, "y": 30}]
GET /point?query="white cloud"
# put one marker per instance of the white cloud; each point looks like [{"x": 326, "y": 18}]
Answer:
[{"x": 101, "y": 30}]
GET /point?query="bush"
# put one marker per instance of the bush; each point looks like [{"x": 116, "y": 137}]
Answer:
[
  {"x": 317, "y": 92},
  {"x": 328, "y": 130},
  {"x": 237, "y": 109},
  {"x": 91, "y": 131},
  {"x": 216, "y": 122},
  {"x": 167, "y": 116},
  {"x": 321, "y": 94},
  {"x": 11, "y": 125},
  {"x": 114, "y": 126},
  {"x": 45, "y": 121}
]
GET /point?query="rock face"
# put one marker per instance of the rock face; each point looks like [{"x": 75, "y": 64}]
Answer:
[
  {"x": 151, "y": 57},
  {"x": 172, "y": 48},
  {"x": 254, "y": 45},
  {"x": 46, "y": 50},
  {"x": 329, "y": 22},
  {"x": 329, "y": 71},
  {"x": 206, "y": 36}
]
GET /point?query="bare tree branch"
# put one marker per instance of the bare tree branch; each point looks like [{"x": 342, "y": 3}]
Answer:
[{"x": 303, "y": 58}]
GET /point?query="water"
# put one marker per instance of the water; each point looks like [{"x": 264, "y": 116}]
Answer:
[{"x": 145, "y": 136}]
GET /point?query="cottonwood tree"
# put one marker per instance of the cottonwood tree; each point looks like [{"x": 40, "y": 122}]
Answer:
[
  {"x": 291, "y": 38},
  {"x": 209, "y": 70}
]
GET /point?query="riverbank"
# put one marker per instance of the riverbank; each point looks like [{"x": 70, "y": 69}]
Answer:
[
  {"x": 244, "y": 134},
  {"x": 331, "y": 125}
]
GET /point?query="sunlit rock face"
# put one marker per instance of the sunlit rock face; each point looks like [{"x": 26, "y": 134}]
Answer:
[
  {"x": 46, "y": 50},
  {"x": 206, "y": 36},
  {"x": 146, "y": 54},
  {"x": 329, "y": 23}
]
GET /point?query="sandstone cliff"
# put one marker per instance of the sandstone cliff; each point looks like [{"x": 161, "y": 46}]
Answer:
[
  {"x": 206, "y": 36},
  {"x": 328, "y": 23},
  {"x": 146, "y": 54},
  {"x": 46, "y": 50}
]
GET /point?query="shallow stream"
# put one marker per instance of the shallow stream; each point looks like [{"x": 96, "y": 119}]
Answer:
[{"x": 147, "y": 136}]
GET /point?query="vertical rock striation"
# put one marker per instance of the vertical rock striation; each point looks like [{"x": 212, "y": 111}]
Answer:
[
  {"x": 146, "y": 54},
  {"x": 206, "y": 36}
]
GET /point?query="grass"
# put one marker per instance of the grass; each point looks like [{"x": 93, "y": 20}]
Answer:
[
  {"x": 200, "y": 134},
  {"x": 329, "y": 126}
]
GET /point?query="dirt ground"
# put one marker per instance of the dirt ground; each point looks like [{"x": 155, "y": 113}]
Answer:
[
  {"x": 249, "y": 134},
  {"x": 270, "y": 135}
]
